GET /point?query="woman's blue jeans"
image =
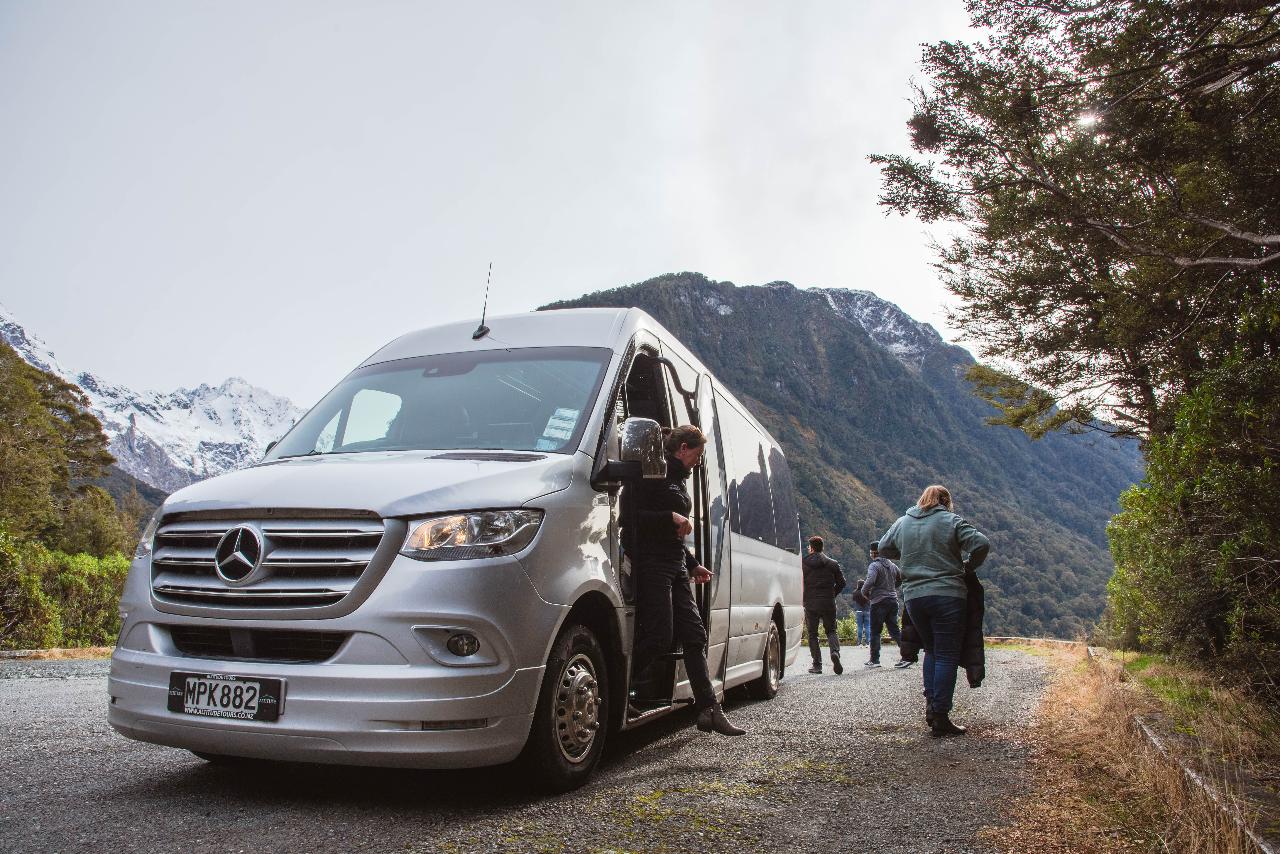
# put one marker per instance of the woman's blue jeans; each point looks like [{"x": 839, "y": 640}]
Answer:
[{"x": 940, "y": 622}]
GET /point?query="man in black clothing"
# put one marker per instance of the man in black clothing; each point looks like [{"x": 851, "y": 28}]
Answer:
[
  {"x": 823, "y": 581},
  {"x": 655, "y": 519}
]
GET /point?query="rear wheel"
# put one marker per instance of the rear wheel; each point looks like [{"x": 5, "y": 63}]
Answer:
[
  {"x": 569, "y": 725},
  {"x": 766, "y": 686}
]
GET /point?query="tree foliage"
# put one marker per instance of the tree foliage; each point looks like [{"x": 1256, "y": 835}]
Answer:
[
  {"x": 1113, "y": 165},
  {"x": 63, "y": 539},
  {"x": 51, "y": 598},
  {"x": 50, "y": 446},
  {"x": 1197, "y": 565}
]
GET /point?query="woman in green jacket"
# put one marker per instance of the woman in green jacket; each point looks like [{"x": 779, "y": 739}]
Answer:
[{"x": 935, "y": 548}]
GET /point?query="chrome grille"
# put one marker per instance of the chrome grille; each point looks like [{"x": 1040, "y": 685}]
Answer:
[{"x": 305, "y": 562}]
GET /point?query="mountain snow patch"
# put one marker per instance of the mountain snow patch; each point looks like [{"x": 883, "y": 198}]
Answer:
[{"x": 170, "y": 440}]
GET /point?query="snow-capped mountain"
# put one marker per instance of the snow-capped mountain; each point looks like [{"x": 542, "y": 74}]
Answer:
[
  {"x": 170, "y": 440},
  {"x": 889, "y": 326}
]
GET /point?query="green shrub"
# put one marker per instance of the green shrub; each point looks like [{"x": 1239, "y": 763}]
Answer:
[
  {"x": 54, "y": 599},
  {"x": 1197, "y": 544},
  {"x": 88, "y": 591},
  {"x": 29, "y": 617}
]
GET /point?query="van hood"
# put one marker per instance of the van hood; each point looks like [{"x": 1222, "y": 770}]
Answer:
[{"x": 391, "y": 484}]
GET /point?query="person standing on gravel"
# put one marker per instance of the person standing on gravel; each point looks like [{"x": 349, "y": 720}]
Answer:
[
  {"x": 861, "y": 616},
  {"x": 823, "y": 582},
  {"x": 663, "y": 568},
  {"x": 881, "y": 590},
  {"x": 936, "y": 548}
]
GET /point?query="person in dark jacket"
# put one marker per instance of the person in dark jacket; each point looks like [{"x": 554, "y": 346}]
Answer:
[
  {"x": 937, "y": 549},
  {"x": 881, "y": 589},
  {"x": 663, "y": 566},
  {"x": 823, "y": 582}
]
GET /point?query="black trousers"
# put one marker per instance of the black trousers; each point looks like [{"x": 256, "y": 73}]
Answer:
[
  {"x": 665, "y": 613},
  {"x": 828, "y": 618},
  {"x": 884, "y": 615}
]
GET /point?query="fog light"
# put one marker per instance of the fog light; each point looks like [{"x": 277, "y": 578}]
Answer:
[{"x": 463, "y": 644}]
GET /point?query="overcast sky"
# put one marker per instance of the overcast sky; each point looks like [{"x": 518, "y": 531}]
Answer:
[{"x": 273, "y": 190}]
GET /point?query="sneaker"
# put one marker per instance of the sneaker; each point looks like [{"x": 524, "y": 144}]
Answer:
[
  {"x": 872, "y": 664},
  {"x": 836, "y": 665},
  {"x": 815, "y": 668},
  {"x": 906, "y": 662}
]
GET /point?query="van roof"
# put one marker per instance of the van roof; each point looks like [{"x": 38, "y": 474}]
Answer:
[{"x": 574, "y": 327}]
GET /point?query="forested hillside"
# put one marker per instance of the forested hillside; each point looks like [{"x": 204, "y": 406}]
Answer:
[
  {"x": 63, "y": 538},
  {"x": 871, "y": 407}
]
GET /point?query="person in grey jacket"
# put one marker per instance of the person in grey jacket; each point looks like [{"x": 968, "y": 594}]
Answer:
[
  {"x": 935, "y": 548},
  {"x": 881, "y": 590}
]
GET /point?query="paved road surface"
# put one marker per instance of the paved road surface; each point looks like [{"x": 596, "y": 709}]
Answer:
[{"x": 840, "y": 763}]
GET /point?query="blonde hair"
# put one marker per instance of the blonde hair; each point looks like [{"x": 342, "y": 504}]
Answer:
[
  {"x": 934, "y": 495},
  {"x": 686, "y": 434}
]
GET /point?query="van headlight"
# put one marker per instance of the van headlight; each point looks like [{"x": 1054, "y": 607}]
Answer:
[
  {"x": 148, "y": 534},
  {"x": 462, "y": 536}
]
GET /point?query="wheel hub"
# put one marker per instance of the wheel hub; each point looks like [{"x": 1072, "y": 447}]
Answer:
[{"x": 578, "y": 707}]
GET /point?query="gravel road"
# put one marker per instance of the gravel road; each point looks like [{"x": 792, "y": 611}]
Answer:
[{"x": 833, "y": 762}]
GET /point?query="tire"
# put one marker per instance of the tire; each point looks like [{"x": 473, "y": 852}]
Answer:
[
  {"x": 766, "y": 686},
  {"x": 571, "y": 720}
]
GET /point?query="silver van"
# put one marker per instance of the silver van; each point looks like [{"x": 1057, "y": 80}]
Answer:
[{"x": 425, "y": 571}]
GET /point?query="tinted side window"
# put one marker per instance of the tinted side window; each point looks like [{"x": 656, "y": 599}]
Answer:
[
  {"x": 749, "y": 495},
  {"x": 785, "y": 523}
]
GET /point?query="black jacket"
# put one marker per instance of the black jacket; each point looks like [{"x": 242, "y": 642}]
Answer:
[
  {"x": 823, "y": 581},
  {"x": 972, "y": 648},
  {"x": 645, "y": 508},
  {"x": 860, "y": 601}
]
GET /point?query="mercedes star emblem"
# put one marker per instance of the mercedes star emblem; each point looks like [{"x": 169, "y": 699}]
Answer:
[{"x": 238, "y": 554}]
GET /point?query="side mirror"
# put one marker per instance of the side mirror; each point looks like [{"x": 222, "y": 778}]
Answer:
[
  {"x": 640, "y": 441},
  {"x": 271, "y": 445}
]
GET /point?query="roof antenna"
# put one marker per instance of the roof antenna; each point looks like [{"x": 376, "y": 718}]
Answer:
[{"x": 483, "y": 330}]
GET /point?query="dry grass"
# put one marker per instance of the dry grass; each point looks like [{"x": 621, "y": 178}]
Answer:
[
  {"x": 83, "y": 652},
  {"x": 1098, "y": 785}
]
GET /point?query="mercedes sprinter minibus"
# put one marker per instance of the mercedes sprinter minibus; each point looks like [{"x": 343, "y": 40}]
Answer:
[{"x": 425, "y": 571}]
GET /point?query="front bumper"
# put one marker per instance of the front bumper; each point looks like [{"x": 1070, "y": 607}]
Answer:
[
  {"x": 391, "y": 696},
  {"x": 354, "y": 715}
]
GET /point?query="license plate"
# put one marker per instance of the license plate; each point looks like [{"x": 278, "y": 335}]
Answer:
[{"x": 217, "y": 695}]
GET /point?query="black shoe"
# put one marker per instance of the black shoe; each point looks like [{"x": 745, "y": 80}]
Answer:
[
  {"x": 942, "y": 727},
  {"x": 815, "y": 668},
  {"x": 712, "y": 719},
  {"x": 906, "y": 662},
  {"x": 836, "y": 665},
  {"x": 872, "y": 664},
  {"x": 928, "y": 718}
]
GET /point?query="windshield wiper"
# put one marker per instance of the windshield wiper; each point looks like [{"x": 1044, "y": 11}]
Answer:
[{"x": 311, "y": 453}]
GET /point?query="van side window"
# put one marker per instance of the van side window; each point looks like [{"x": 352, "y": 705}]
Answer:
[
  {"x": 750, "y": 501},
  {"x": 785, "y": 522},
  {"x": 645, "y": 391}
]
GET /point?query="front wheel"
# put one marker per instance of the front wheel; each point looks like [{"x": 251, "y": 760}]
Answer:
[
  {"x": 766, "y": 687},
  {"x": 569, "y": 725}
]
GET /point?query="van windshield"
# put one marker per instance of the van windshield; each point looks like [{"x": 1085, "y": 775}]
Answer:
[{"x": 529, "y": 399}]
